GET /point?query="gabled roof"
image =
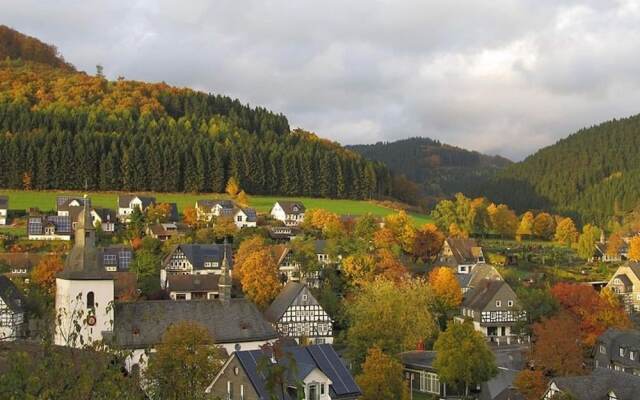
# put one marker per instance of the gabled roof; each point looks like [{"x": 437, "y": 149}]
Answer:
[
  {"x": 322, "y": 357},
  {"x": 174, "y": 216},
  {"x": 465, "y": 251},
  {"x": 419, "y": 359},
  {"x": 251, "y": 214},
  {"x": 125, "y": 199},
  {"x": 10, "y": 294},
  {"x": 4, "y": 202},
  {"x": 139, "y": 325},
  {"x": 206, "y": 203},
  {"x": 599, "y": 383},
  {"x": 63, "y": 203},
  {"x": 61, "y": 223},
  {"x": 193, "y": 283},
  {"x": 281, "y": 303},
  {"x": 320, "y": 246},
  {"x": 481, "y": 295},
  {"x": 198, "y": 254},
  {"x": 165, "y": 229},
  {"x": 481, "y": 272},
  {"x": 635, "y": 267},
  {"x": 292, "y": 207},
  {"x": 628, "y": 339},
  {"x": 106, "y": 214}
]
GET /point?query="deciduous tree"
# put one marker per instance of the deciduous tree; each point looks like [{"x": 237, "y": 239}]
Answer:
[
  {"x": 259, "y": 277},
  {"x": 45, "y": 272},
  {"x": 428, "y": 242},
  {"x": 543, "y": 226},
  {"x": 634, "y": 248},
  {"x": 557, "y": 346},
  {"x": 233, "y": 187},
  {"x": 463, "y": 357},
  {"x": 525, "y": 229},
  {"x": 446, "y": 288},
  {"x": 190, "y": 216},
  {"x": 532, "y": 384},
  {"x": 587, "y": 241},
  {"x": 566, "y": 232},
  {"x": 382, "y": 377}
]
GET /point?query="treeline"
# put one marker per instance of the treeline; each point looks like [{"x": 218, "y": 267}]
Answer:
[
  {"x": 593, "y": 174},
  {"x": 14, "y": 45},
  {"x": 440, "y": 169},
  {"x": 65, "y": 130}
]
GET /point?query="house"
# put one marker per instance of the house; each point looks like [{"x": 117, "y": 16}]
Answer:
[
  {"x": 50, "y": 227},
  {"x": 314, "y": 372},
  {"x": 423, "y": 378},
  {"x": 12, "y": 313},
  {"x": 127, "y": 203},
  {"x": 208, "y": 209},
  {"x": 290, "y": 268},
  {"x": 289, "y": 212},
  {"x": 461, "y": 254},
  {"x": 106, "y": 217},
  {"x": 601, "y": 384},
  {"x": 195, "y": 259},
  {"x": 69, "y": 206},
  {"x": 297, "y": 314},
  {"x": 117, "y": 258},
  {"x": 626, "y": 283},
  {"x": 245, "y": 218},
  {"x": 84, "y": 286},
  {"x": 193, "y": 287},
  {"x": 4, "y": 209},
  {"x": 164, "y": 231},
  {"x": 492, "y": 306},
  {"x": 282, "y": 234},
  {"x": 618, "y": 350},
  {"x": 479, "y": 273}
]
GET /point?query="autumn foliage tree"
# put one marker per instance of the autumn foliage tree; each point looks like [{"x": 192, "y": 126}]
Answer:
[
  {"x": 543, "y": 226},
  {"x": 257, "y": 270},
  {"x": 614, "y": 244},
  {"x": 587, "y": 241},
  {"x": 428, "y": 242},
  {"x": 190, "y": 216},
  {"x": 634, "y": 248},
  {"x": 566, "y": 232},
  {"x": 557, "y": 345},
  {"x": 525, "y": 229},
  {"x": 382, "y": 377},
  {"x": 446, "y": 288},
  {"x": 532, "y": 384},
  {"x": 157, "y": 213},
  {"x": 45, "y": 272}
]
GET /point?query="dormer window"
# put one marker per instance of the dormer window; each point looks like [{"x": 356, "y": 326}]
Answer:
[
  {"x": 603, "y": 350},
  {"x": 621, "y": 351},
  {"x": 632, "y": 355},
  {"x": 498, "y": 303},
  {"x": 510, "y": 303}
]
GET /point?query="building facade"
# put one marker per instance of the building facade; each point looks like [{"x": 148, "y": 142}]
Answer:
[
  {"x": 626, "y": 284},
  {"x": 12, "y": 313},
  {"x": 50, "y": 227},
  {"x": 291, "y": 213},
  {"x": 194, "y": 259},
  {"x": 4, "y": 210},
  {"x": 461, "y": 254}
]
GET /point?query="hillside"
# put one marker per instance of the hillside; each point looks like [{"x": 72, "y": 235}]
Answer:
[
  {"x": 440, "y": 169},
  {"x": 15, "y": 45},
  {"x": 63, "y": 129},
  {"x": 593, "y": 173}
]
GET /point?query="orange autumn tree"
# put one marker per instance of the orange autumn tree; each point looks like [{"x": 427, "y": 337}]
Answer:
[
  {"x": 259, "y": 277},
  {"x": 427, "y": 243},
  {"x": 614, "y": 244},
  {"x": 158, "y": 213},
  {"x": 249, "y": 246},
  {"x": 532, "y": 384},
  {"x": 322, "y": 220},
  {"x": 445, "y": 287},
  {"x": 384, "y": 238},
  {"x": 556, "y": 348},
  {"x": 389, "y": 267},
  {"x": 595, "y": 312},
  {"x": 634, "y": 248},
  {"x": 190, "y": 216},
  {"x": 45, "y": 272}
]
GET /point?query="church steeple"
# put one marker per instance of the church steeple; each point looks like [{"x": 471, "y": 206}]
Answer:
[
  {"x": 84, "y": 261},
  {"x": 224, "y": 284}
]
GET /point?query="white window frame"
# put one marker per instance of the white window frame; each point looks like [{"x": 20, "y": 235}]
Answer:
[{"x": 498, "y": 303}]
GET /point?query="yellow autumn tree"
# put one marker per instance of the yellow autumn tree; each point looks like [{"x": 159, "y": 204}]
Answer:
[
  {"x": 566, "y": 232},
  {"x": 45, "y": 272},
  {"x": 248, "y": 247},
  {"x": 243, "y": 199},
  {"x": 634, "y": 248},
  {"x": 543, "y": 226},
  {"x": 525, "y": 229},
  {"x": 233, "y": 187},
  {"x": 190, "y": 216},
  {"x": 359, "y": 268},
  {"x": 384, "y": 238},
  {"x": 382, "y": 377},
  {"x": 259, "y": 277},
  {"x": 445, "y": 287},
  {"x": 456, "y": 232},
  {"x": 402, "y": 229},
  {"x": 389, "y": 266}
]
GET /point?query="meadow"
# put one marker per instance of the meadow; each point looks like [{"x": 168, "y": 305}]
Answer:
[{"x": 20, "y": 200}]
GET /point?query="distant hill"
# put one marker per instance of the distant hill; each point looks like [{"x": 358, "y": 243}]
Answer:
[
  {"x": 593, "y": 173},
  {"x": 440, "y": 169},
  {"x": 15, "y": 45},
  {"x": 64, "y": 129}
]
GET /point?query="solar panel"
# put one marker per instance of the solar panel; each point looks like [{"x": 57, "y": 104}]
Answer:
[
  {"x": 125, "y": 259},
  {"x": 34, "y": 226},
  {"x": 332, "y": 366},
  {"x": 62, "y": 223}
]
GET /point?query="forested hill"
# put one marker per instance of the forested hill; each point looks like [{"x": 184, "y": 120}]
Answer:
[
  {"x": 60, "y": 129},
  {"x": 440, "y": 169},
  {"x": 14, "y": 45},
  {"x": 594, "y": 173}
]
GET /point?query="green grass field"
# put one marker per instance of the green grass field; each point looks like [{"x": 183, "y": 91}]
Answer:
[{"x": 46, "y": 201}]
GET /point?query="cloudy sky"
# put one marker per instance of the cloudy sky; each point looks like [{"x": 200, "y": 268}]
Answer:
[{"x": 502, "y": 77}]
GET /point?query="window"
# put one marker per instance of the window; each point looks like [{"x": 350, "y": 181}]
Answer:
[
  {"x": 305, "y": 297},
  {"x": 432, "y": 383},
  {"x": 181, "y": 296},
  {"x": 603, "y": 350},
  {"x": 621, "y": 351},
  {"x": 229, "y": 390},
  {"x": 314, "y": 393},
  {"x": 241, "y": 392},
  {"x": 510, "y": 303},
  {"x": 498, "y": 303},
  {"x": 110, "y": 259},
  {"x": 632, "y": 355},
  {"x": 90, "y": 300}
]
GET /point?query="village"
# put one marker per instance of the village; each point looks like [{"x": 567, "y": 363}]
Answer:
[{"x": 312, "y": 294}]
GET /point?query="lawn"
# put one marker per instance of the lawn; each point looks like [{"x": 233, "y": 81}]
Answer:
[{"x": 45, "y": 201}]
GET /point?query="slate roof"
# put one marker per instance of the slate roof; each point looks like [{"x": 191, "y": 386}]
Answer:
[
  {"x": 117, "y": 250},
  {"x": 320, "y": 246},
  {"x": 418, "y": 359},
  {"x": 252, "y": 215},
  {"x": 613, "y": 339},
  {"x": 125, "y": 199},
  {"x": 198, "y": 254},
  {"x": 599, "y": 383},
  {"x": 4, "y": 202},
  {"x": 11, "y": 295},
  {"x": 139, "y": 325},
  {"x": 165, "y": 229},
  {"x": 106, "y": 214},
  {"x": 479, "y": 297},
  {"x": 193, "y": 283},
  {"x": 281, "y": 303},
  {"x": 635, "y": 267},
  {"x": 63, "y": 203},
  {"x": 174, "y": 216},
  {"x": 282, "y": 232},
  {"x": 289, "y": 207},
  {"x": 321, "y": 356},
  {"x": 209, "y": 204},
  {"x": 465, "y": 251}
]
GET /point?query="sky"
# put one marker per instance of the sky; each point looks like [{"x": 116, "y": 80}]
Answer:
[{"x": 501, "y": 77}]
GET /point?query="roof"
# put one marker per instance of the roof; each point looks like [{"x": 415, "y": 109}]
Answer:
[
  {"x": 206, "y": 203},
  {"x": 613, "y": 339},
  {"x": 252, "y": 215},
  {"x": 166, "y": 229},
  {"x": 320, "y": 246},
  {"x": 479, "y": 297},
  {"x": 106, "y": 214},
  {"x": 281, "y": 303},
  {"x": 635, "y": 267},
  {"x": 11, "y": 295},
  {"x": 481, "y": 272},
  {"x": 141, "y": 324},
  {"x": 465, "y": 251},
  {"x": 193, "y": 283},
  {"x": 624, "y": 279},
  {"x": 418, "y": 359},
  {"x": 282, "y": 232},
  {"x": 125, "y": 199},
  {"x": 63, "y": 203},
  {"x": 292, "y": 207},
  {"x": 322, "y": 357},
  {"x": 599, "y": 383},
  {"x": 63, "y": 224},
  {"x": 125, "y": 284},
  {"x": 198, "y": 254},
  {"x": 4, "y": 202}
]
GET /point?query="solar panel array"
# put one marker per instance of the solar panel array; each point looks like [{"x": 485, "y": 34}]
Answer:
[
  {"x": 125, "y": 259},
  {"x": 34, "y": 226},
  {"x": 327, "y": 359},
  {"x": 62, "y": 223}
]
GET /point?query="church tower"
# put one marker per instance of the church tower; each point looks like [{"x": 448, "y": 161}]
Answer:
[
  {"x": 224, "y": 284},
  {"x": 84, "y": 290}
]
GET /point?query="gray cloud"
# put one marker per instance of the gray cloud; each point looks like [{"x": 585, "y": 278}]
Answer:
[{"x": 499, "y": 76}]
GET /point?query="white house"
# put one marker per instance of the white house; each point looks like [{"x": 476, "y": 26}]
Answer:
[
  {"x": 50, "y": 227},
  {"x": 208, "y": 209},
  {"x": 12, "y": 315},
  {"x": 4, "y": 209},
  {"x": 127, "y": 203},
  {"x": 245, "y": 218},
  {"x": 461, "y": 254},
  {"x": 297, "y": 314},
  {"x": 289, "y": 212},
  {"x": 106, "y": 218},
  {"x": 194, "y": 259},
  {"x": 193, "y": 287}
]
